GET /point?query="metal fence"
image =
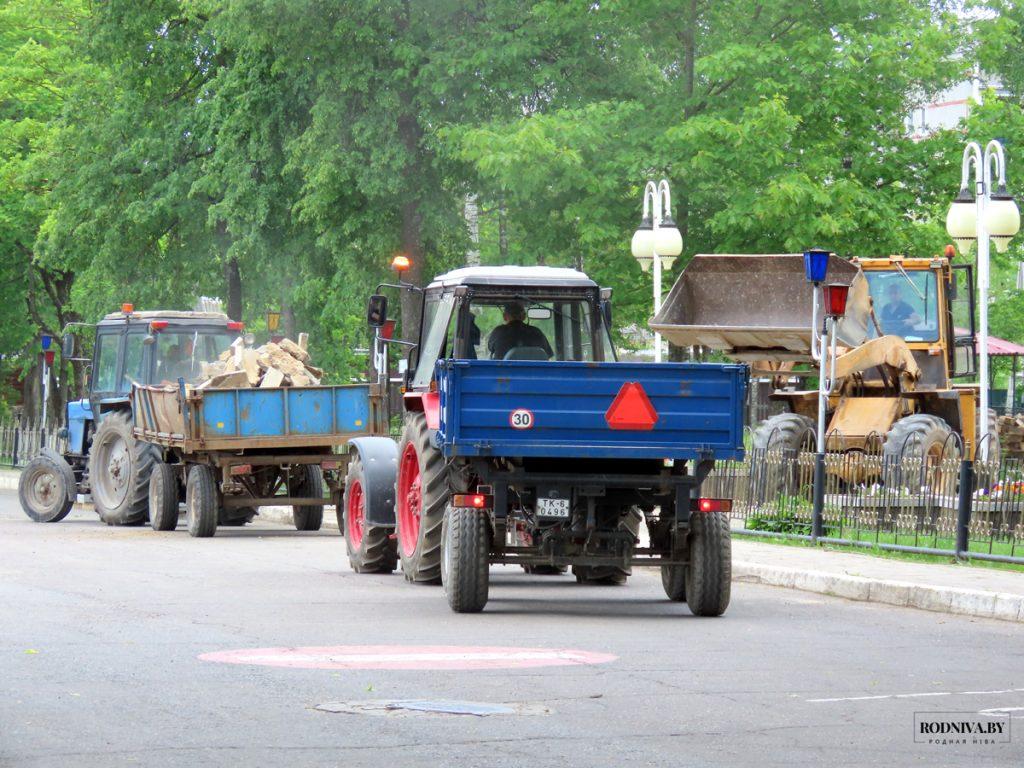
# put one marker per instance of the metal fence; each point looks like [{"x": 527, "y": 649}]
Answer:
[
  {"x": 929, "y": 501},
  {"x": 20, "y": 441}
]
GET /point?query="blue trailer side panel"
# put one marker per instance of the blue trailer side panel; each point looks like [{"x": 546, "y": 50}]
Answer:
[
  {"x": 700, "y": 408},
  {"x": 285, "y": 411}
]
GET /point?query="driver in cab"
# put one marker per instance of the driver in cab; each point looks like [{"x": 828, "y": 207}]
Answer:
[
  {"x": 516, "y": 334},
  {"x": 898, "y": 317}
]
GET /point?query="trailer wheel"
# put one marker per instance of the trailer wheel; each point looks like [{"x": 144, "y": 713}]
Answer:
[
  {"x": 119, "y": 469},
  {"x": 466, "y": 541},
  {"x": 371, "y": 549},
  {"x": 43, "y": 491},
  {"x": 307, "y": 481},
  {"x": 673, "y": 580},
  {"x": 201, "y": 501},
  {"x": 421, "y": 494},
  {"x": 163, "y": 498},
  {"x": 708, "y": 575}
]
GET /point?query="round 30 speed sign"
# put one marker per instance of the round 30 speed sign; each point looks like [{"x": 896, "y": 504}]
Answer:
[{"x": 521, "y": 418}]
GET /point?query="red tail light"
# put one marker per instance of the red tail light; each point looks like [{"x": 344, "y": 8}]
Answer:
[
  {"x": 158, "y": 325},
  {"x": 835, "y": 299},
  {"x": 472, "y": 501},
  {"x": 387, "y": 330},
  {"x": 714, "y": 505},
  {"x": 241, "y": 469},
  {"x": 234, "y": 325}
]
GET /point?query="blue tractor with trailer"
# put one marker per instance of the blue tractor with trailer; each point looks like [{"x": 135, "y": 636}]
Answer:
[
  {"x": 524, "y": 441},
  {"x": 145, "y": 440}
]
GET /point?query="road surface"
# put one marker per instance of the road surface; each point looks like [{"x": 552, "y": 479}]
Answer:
[{"x": 118, "y": 647}]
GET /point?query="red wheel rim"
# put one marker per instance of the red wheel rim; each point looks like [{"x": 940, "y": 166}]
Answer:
[
  {"x": 410, "y": 500},
  {"x": 355, "y": 514}
]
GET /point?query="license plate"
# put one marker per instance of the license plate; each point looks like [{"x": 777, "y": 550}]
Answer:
[{"x": 553, "y": 507}]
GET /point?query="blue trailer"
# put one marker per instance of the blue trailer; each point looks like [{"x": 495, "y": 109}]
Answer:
[{"x": 526, "y": 442}]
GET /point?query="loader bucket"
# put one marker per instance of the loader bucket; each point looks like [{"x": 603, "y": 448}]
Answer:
[{"x": 752, "y": 307}]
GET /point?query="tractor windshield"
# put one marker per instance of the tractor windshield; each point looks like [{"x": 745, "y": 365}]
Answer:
[
  {"x": 905, "y": 304},
  {"x": 181, "y": 353}
]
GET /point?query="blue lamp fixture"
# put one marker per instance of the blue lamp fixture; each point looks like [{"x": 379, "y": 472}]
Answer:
[
  {"x": 816, "y": 265},
  {"x": 47, "y": 340}
]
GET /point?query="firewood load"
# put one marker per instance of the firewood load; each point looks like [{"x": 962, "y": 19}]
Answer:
[
  {"x": 282, "y": 364},
  {"x": 1011, "y": 435}
]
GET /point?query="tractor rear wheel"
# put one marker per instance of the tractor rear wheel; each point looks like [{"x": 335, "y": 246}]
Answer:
[
  {"x": 119, "y": 469},
  {"x": 43, "y": 491},
  {"x": 466, "y": 542},
  {"x": 163, "y": 498},
  {"x": 371, "y": 548},
  {"x": 421, "y": 495},
  {"x": 708, "y": 574},
  {"x": 306, "y": 481}
]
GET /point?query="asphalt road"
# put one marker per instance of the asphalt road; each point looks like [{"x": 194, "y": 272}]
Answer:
[{"x": 101, "y": 630}]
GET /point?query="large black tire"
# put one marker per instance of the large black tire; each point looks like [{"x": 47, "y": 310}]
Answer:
[
  {"x": 421, "y": 495},
  {"x": 163, "y": 497},
  {"x": 307, "y": 481},
  {"x": 371, "y": 548},
  {"x": 708, "y": 576},
  {"x": 611, "y": 574},
  {"x": 673, "y": 581},
  {"x": 202, "y": 501},
  {"x": 919, "y": 435},
  {"x": 788, "y": 433},
  {"x": 466, "y": 542},
  {"x": 785, "y": 431},
  {"x": 119, "y": 469},
  {"x": 43, "y": 491}
]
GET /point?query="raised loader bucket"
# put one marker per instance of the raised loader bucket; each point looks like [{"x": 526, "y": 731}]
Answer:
[{"x": 752, "y": 307}]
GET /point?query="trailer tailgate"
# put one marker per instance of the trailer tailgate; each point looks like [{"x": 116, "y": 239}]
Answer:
[{"x": 565, "y": 409}]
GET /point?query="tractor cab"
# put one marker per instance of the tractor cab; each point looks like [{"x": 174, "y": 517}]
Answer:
[{"x": 511, "y": 313}]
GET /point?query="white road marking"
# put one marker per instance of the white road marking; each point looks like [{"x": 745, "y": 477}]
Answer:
[{"x": 913, "y": 695}]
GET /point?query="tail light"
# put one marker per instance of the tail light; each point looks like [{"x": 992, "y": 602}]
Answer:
[
  {"x": 241, "y": 469},
  {"x": 330, "y": 464},
  {"x": 387, "y": 330},
  {"x": 472, "y": 501},
  {"x": 234, "y": 325},
  {"x": 714, "y": 505}
]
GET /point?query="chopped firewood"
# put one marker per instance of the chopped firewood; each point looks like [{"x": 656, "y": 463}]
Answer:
[
  {"x": 251, "y": 366},
  {"x": 226, "y": 381},
  {"x": 273, "y": 356},
  {"x": 226, "y": 354},
  {"x": 316, "y": 373},
  {"x": 303, "y": 341},
  {"x": 300, "y": 380},
  {"x": 294, "y": 350}
]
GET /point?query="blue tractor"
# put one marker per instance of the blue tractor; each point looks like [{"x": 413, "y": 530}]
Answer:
[{"x": 103, "y": 458}]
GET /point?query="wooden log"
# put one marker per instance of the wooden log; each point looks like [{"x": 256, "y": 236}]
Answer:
[
  {"x": 303, "y": 341},
  {"x": 294, "y": 350},
  {"x": 226, "y": 381},
  {"x": 251, "y": 366},
  {"x": 272, "y": 378}
]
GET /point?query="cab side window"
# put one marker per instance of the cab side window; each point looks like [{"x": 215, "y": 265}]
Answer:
[
  {"x": 133, "y": 348},
  {"x": 104, "y": 376}
]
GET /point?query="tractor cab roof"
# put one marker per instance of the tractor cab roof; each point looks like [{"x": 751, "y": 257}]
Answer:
[
  {"x": 173, "y": 316},
  {"x": 514, "y": 276}
]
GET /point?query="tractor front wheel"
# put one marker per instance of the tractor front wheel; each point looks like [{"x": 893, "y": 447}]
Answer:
[
  {"x": 371, "y": 548},
  {"x": 43, "y": 491}
]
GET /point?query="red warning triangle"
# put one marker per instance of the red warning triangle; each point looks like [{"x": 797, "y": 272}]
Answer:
[{"x": 631, "y": 409}]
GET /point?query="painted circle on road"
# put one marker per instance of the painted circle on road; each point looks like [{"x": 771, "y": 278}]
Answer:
[{"x": 409, "y": 657}]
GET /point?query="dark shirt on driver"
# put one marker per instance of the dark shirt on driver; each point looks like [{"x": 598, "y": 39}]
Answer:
[
  {"x": 896, "y": 318},
  {"x": 515, "y": 334}
]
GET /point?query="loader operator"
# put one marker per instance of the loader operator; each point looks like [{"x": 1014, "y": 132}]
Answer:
[
  {"x": 515, "y": 333},
  {"x": 898, "y": 317}
]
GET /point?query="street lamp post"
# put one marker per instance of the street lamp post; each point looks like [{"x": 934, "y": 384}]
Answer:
[
  {"x": 978, "y": 217},
  {"x": 657, "y": 239}
]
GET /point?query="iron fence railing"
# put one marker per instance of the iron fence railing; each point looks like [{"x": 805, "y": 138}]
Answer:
[
  {"x": 21, "y": 440},
  {"x": 930, "y": 500}
]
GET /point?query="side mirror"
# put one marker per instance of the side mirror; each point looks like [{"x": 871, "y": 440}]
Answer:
[
  {"x": 377, "y": 311},
  {"x": 67, "y": 346},
  {"x": 150, "y": 339}
]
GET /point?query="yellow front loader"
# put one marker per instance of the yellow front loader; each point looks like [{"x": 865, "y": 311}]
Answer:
[{"x": 907, "y": 334}]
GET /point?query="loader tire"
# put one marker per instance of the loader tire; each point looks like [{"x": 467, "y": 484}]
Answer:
[
  {"x": 371, "y": 548},
  {"x": 708, "y": 574},
  {"x": 421, "y": 495},
  {"x": 466, "y": 542},
  {"x": 307, "y": 481},
  {"x": 202, "y": 501},
  {"x": 119, "y": 470},
  {"x": 43, "y": 491},
  {"x": 785, "y": 431},
  {"x": 920, "y": 436},
  {"x": 163, "y": 498},
  {"x": 788, "y": 433}
]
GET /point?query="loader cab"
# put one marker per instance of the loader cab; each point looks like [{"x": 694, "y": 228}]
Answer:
[
  {"x": 511, "y": 313},
  {"x": 929, "y": 303}
]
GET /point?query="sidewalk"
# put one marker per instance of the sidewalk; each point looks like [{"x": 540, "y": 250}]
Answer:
[{"x": 960, "y": 589}]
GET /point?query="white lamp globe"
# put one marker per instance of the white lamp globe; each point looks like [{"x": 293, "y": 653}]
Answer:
[
  {"x": 642, "y": 245},
  {"x": 962, "y": 221},
  {"x": 667, "y": 240},
  {"x": 1002, "y": 219}
]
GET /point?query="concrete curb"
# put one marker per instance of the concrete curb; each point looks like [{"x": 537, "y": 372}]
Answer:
[{"x": 965, "y": 602}]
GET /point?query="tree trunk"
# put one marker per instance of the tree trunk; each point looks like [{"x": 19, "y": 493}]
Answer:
[
  {"x": 233, "y": 278},
  {"x": 502, "y": 233},
  {"x": 471, "y": 212},
  {"x": 412, "y": 239}
]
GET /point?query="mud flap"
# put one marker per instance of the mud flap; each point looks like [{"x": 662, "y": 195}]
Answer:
[{"x": 379, "y": 456}]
